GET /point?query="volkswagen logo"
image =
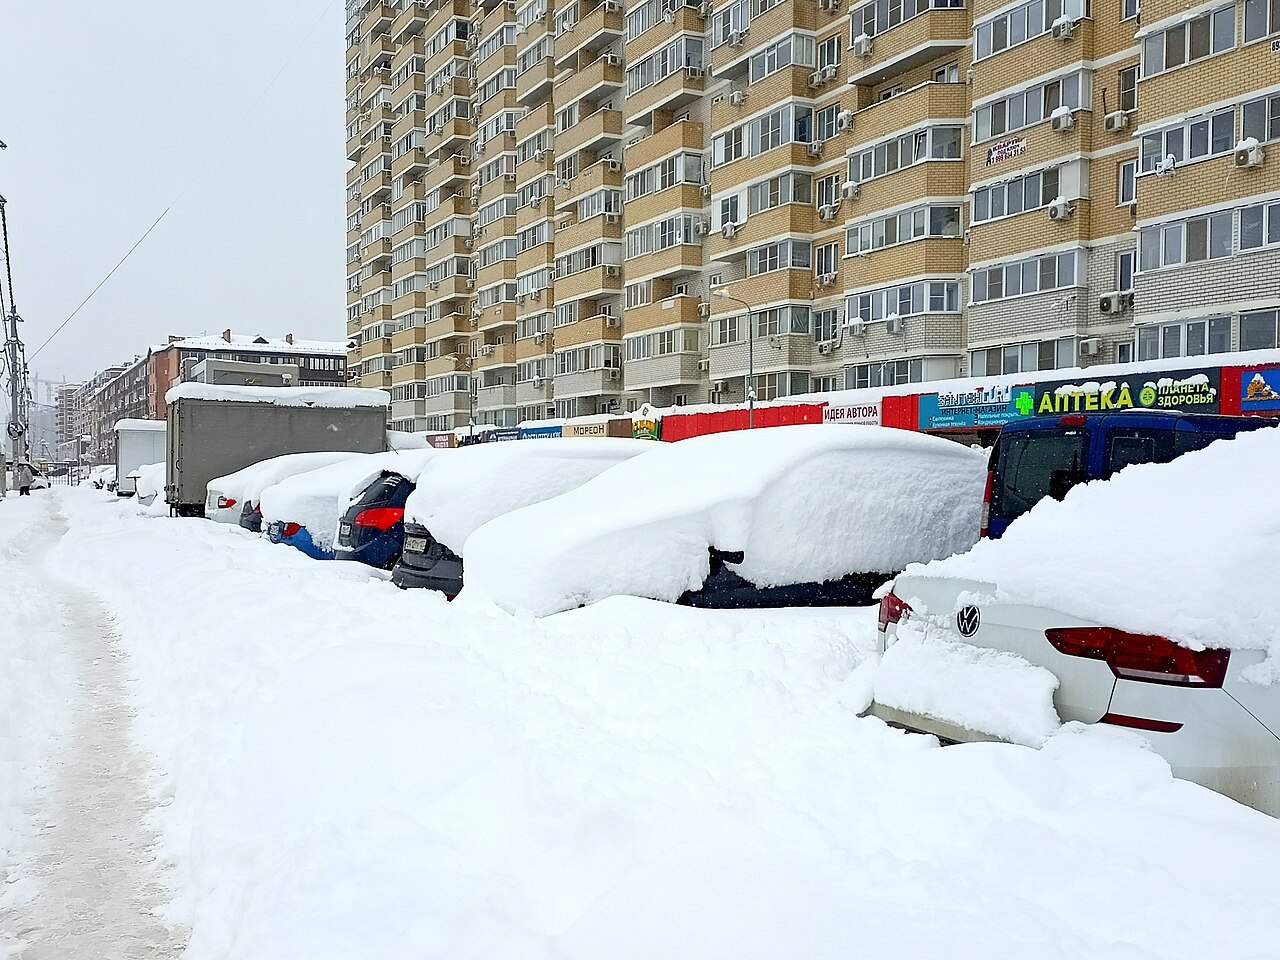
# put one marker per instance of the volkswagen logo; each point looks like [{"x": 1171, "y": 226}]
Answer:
[{"x": 967, "y": 620}]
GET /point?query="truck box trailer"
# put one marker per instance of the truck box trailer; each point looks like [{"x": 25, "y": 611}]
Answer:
[
  {"x": 215, "y": 430},
  {"x": 138, "y": 442}
]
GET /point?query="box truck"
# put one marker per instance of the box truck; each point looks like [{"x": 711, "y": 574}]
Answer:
[{"x": 138, "y": 442}]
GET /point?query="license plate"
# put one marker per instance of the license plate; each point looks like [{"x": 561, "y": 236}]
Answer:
[
  {"x": 274, "y": 529},
  {"x": 344, "y": 531},
  {"x": 415, "y": 544}
]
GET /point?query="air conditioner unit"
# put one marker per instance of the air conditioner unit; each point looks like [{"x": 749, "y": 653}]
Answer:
[
  {"x": 850, "y": 189},
  {"x": 1249, "y": 153},
  {"x": 535, "y": 295},
  {"x": 704, "y": 9},
  {"x": 433, "y": 285},
  {"x": 612, "y": 323},
  {"x": 857, "y": 328},
  {"x": 893, "y": 325},
  {"x": 825, "y": 347},
  {"x": 612, "y": 59},
  {"x": 729, "y": 230},
  {"x": 611, "y": 270},
  {"x": 844, "y": 120},
  {"x": 829, "y": 72},
  {"x": 612, "y": 218},
  {"x": 826, "y": 279},
  {"x": 539, "y": 338},
  {"x": 611, "y": 164},
  {"x": 736, "y": 38},
  {"x": 1114, "y": 302},
  {"x": 612, "y": 6},
  {"x": 701, "y": 228},
  {"x": 1166, "y": 165},
  {"x": 815, "y": 148},
  {"x": 705, "y": 189},
  {"x": 827, "y": 212},
  {"x": 1061, "y": 120},
  {"x": 704, "y": 365},
  {"x": 830, "y": 5},
  {"x": 717, "y": 386},
  {"x": 1090, "y": 346},
  {"x": 1116, "y": 121},
  {"x": 1060, "y": 210},
  {"x": 537, "y": 382},
  {"x": 862, "y": 46},
  {"x": 816, "y": 79},
  {"x": 693, "y": 73},
  {"x": 463, "y": 160},
  {"x": 1064, "y": 28},
  {"x": 614, "y": 374},
  {"x": 704, "y": 310},
  {"x": 471, "y": 283},
  {"x": 519, "y": 298},
  {"x": 539, "y": 156},
  {"x": 475, "y": 199},
  {"x": 737, "y": 98},
  {"x": 486, "y": 350},
  {"x": 509, "y": 177}
]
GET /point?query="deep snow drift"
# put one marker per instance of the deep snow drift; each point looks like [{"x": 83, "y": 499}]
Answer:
[
  {"x": 1182, "y": 550},
  {"x": 247, "y": 483},
  {"x": 355, "y": 771},
  {"x": 805, "y": 503}
]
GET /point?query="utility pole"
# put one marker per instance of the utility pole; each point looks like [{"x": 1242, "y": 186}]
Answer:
[{"x": 14, "y": 352}]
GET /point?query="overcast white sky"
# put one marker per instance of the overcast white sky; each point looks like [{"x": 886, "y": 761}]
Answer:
[{"x": 109, "y": 109}]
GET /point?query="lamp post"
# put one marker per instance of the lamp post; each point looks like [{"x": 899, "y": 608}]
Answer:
[{"x": 723, "y": 292}]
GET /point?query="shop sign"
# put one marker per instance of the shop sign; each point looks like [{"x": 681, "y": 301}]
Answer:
[
  {"x": 442, "y": 441},
  {"x": 600, "y": 429},
  {"x": 644, "y": 429},
  {"x": 1259, "y": 390},
  {"x": 507, "y": 433},
  {"x": 867, "y": 413},
  {"x": 1185, "y": 391},
  {"x": 1006, "y": 149},
  {"x": 980, "y": 407},
  {"x": 539, "y": 433}
]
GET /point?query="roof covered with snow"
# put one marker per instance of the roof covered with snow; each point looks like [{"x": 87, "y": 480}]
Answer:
[
  {"x": 255, "y": 343},
  {"x": 158, "y": 426},
  {"x": 249, "y": 482},
  {"x": 1184, "y": 550},
  {"x": 805, "y": 503},
  {"x": 459, "y": 493},
  {"x": 332, "y": 397}
]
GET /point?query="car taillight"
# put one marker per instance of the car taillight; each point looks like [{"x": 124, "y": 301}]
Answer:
[
  {"x": 225, "y": 502},
  {"x": 1073, "y": 420},
  {"x": 290, "y": 529},
  {"x": 379, "y": 518},
  {"x": 985, "y": 531},
  {"x": 892, "y": 610},
  {"x": 1134, "y": 656}
]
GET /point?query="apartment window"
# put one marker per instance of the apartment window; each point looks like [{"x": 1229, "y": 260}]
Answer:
[
  {"x": 1128, "y": 83},
  {"x": 776, "y": 191},
  {"x": 641, "y": 18},
  {"x": 1129, "y": 9},
  {"x": 826, "y": 259},
  {"x": 1194, "y": 338},
  {"x": 1261, "y": 17},
  {"x": 725, "y": 330},
  {"x": 1207, "y": 136},
  {"x": 1186, "y": 241},
  {"x": 792, "y": 50},
  {"x": 682, "y": 53},
  {"x": 783, "y": 255},
  {"x": 1187, "y": 42},
  {"x": 1026, "y": 22},
  {"x": 638, "y": 294},
  {"x": 825, "y": 324},
  {"x": 729, "y": 210},
  {"x": 1260, "y": 226},
  {"x": 1125, "y": 262},
  {"x": 827, "y": 190},
  {"x": 1258, "y": 330},
  {"x": 1029, "y": 107},
  {"x": 903, "y": 227},
  {"x": 878, "y": 16},
  {"x": 735, "y": 18},
  {"x": 1261, "y": 119},
  {"x": 1034, "y": 275},
  {"x": 948, "y": 74},
  {"x": 885, "y": 374},
  {"x": 931, "y": 296},
  {"x": 824, "y": 122},
  {"x": 930, "y": 143},
  {"x": 1126, "y": 183},
  {"x": 1023, "y": 357},
  {"x": 791, "y": 123},
  {"x": 829, "y": 52},
  {"x": 1029, "y": 192}
]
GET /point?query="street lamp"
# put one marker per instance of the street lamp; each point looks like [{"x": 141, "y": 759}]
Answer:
[{"x": 723, "y": 292}]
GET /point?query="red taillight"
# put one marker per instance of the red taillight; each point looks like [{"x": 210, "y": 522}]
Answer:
[
  {"x": 892, "y": 610},
  {"x": 225, "y": 503},
  {"x": 379, "y": 518},
  {"x": 1134, "y": 656},
  {"x": 291, "y": 530},
  {"x": 1073, "y": 420},
  {"x": 985, "y": 531},
  {"x": 1141, "y": 723}
]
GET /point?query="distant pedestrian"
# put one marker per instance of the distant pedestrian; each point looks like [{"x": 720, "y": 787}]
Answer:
[{"x": 22, "y": 477}]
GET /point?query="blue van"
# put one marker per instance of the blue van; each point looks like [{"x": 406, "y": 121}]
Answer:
[{"x": 1046, "y": 456}]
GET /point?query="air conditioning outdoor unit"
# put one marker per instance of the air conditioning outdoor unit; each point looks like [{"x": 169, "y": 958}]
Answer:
[
  {"x": 736, "y": 38},
  {"x": 705, "y": 189},
  {"x": 1060, "y": 210},
  {"x": 825, "y": 347},
  {"x": 844, "y": 120},
  {"x": 1090, "y": 346},
  {"x": 1061, "y": 120},
  {"x": 831, "y": 6},
  {"x": 815, "y": 148},
  {"x": 717, "y": 386},
  {"x": 1166, "y": 165},
  {"x": 850, "y": 189},
  {"x": 701, "y": 228},
  {"x": 826, "y": 279},
  {"x": 862, "y": 46},
  {"x": 611, "y": 270},
  {"x": 611, "y": 164},
  {"x": 704, "y": 365},
  {"x": 537, "y": 382},
  {"x": 539, "y": 338},
  {"x": 1064, "y": 28},
  {"x": 615, "y": 374},
  {"x": 612, "y": 218},
  {"x": 816, "y": 79},
  {"x": 704, "y": 9},
  {"x": 539, "y": 156},
  {"x": 486, "y": 350},
  {"x": 612, "y": 323},
  {"x": 827, "y": 212},
  {"x": 693, "y": 73},
  {"x": 471, "y": 283},
  {"x": 612, "y": 6},
  {"x": 1116, "y": 121},
  {"x": 704, "y": 310},
  {"x": 893, "y": 325},
  {"x": 828, "y": 72},
  {"x": 737, "y": 98},
  {"x": 857, "y": 328},
  {"x": 613, "y": 60},
  {"x": 729, "y": 230},
  {"x": 1249, "y": 153},
  {"x": 433, "y": 285},
  {"x": 1116, "y": 302}
]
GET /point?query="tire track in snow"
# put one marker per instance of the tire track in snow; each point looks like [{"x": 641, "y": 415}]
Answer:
[{"x": 93, "y": 873}]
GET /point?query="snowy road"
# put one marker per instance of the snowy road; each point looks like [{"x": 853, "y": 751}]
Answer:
[{"x": 343, "y": 770}]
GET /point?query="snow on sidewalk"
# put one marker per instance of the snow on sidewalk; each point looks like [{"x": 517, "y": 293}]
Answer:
[{"x": 360, "y": 772}]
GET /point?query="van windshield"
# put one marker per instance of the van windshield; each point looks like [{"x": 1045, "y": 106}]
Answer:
[{"x": 1034, "y": 464}]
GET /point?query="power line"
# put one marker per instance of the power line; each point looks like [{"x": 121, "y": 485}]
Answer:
[{"x": 195, "y": 177}]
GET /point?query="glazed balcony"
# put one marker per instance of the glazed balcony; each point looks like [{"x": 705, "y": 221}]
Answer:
[
  {"x": 534, "y": 85},
  {"x": 596, "y": 29},
  {"x": 682, "y": 309},
  {"x": 603, "y": 173},
  {"x": 684, "y": 135},
  {"x": 671, "y": 93},
  {"x": 600, "y": 129},
  {"x": 600, "y": 77},
  {"x": 883, "y": 118},
  {"x": 495, "y": 355},
  {"x": 912, "y": 44}
]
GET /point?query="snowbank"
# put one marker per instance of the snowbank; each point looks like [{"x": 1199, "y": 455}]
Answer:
[
  {"x": 457, "y": 494},
  {"x": 249, "y": 482},
  {"x": 349, "y": 770},
  {"x": 318, "y": 498},
  {"x": 1181, "y": 550},
  {"x": 335, "y": 397},
  {"x": 805, "y": 503}
]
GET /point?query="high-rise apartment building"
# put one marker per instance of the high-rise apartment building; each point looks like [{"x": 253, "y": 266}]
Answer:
[{"x": 557, "y": 209}]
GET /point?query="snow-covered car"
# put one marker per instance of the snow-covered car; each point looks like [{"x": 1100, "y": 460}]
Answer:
[
  {"x": 1148, "y": 602},
  {"x": 149, "y": 482},
  {"x": 815, "y": 514},
  {"x": 234, "y": 498},
  {"x": 304, "y": 510},
  {"x": 457, "y": 494}
]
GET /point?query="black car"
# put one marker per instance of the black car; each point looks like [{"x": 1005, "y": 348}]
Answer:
[
  {"x": 251, "y": 516},
  {"x": 372, "y": 530},
  {"x": 726, "y": 590},
  {"x": 426, "y": 562}
]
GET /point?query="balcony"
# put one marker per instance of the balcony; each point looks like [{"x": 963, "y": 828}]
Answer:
[
  {"x": 377, "y": 347},
  {"x": 496, "y": 397},
  {"x": 534, "y": 85},
  {"x": 588, "y": 383},
  {"x": 663, "y": 32},
  {"x": 728, "y": 111},
  {"x": 497, "y": 316},
  {"x": 909, "y": 45},
  {"x": 597, "y": 29},
  {"x": 531, "y": 348},
  {"x": 935, "y": 256},
  {"x": 681, "y": 258},
  {"x": 683, "y": 310},
  {"x": 669, "y": 94},
  {"x": 572, "y": 235},
  {"x": 527, "y": 393},
  {"x": 937, "y": 101},
  {"x": 378, "y": 51},
  {"x": 669, "y": 370},
  {"x": 601, "y": 76},
  {"x": 495, "y": 355},
  {"x": 597, "y": 329},
  {"x": 375, "y": 381},
  {"x": 378, "y": 19},
  {"x": 684, "y": 135},
  {"x": 595, "y": 131},
  {"x": 355, "y": 146},
  {"x": 605, "y": 173},
  {"x": 602, "y": 280},
  {"x": 410, "y": 21}
]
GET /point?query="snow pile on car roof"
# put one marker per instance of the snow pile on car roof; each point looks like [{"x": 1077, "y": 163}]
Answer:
[
  {"x": 334, "y": 397},
  {"x": 805, "y": 503},
  {"x": 1185, "y": 550},
  {"x": 318, "y": 498},
  {"x": 249, "y": 482},
  {"x": 457, "y": 494}
]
